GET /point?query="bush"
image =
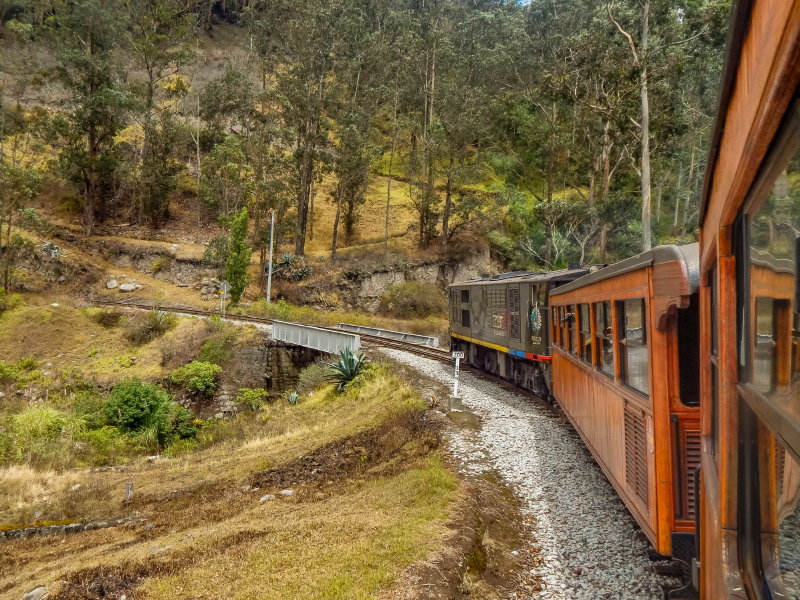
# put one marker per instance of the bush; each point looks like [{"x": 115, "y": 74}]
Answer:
[
  {"x": 312, "y": 377},
  {"x": 181, "y": 424},
  {"x": 412, "y": 299},
  {"x": 107, "y": 318},
  {"x": 142, "y": 328},
  {"x": 139, "y": 408},
  {"x": 291, "y": 268},
  {"x": 255, "y": 398},
  {"x": 160, "y": 264},
  {"x": 216, "y": 252},
  {"x": 26, "y": 364},
  {"x": 88, "y": 405},
  {"x": 180, "y": 448},
  {"x": 346, "y": 369},
  {"x": 31, "y": 431},
  {"x": 107, "y": 444},
  {"x": 199, "y": 376},
  {"x": 217, "y": 352}
]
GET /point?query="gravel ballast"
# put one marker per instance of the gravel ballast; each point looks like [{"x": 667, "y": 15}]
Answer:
[{"x": 588, "y": 543}]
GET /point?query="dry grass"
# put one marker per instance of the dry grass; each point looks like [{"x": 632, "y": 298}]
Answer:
[
  {"x": 24, "y": 487},
  {"x": 345, "y": 540}
]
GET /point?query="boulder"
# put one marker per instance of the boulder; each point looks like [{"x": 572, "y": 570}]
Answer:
[
  {"x": 111, "y": 284},
  {"x": 267, "y": 497},
  {"x": 286, "y": 492},
  {"x": 127, "y": 287},
  {"x": 37, "y": 593}
]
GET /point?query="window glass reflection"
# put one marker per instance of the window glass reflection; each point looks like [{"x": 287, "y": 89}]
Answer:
[
  {"x": 786, "y": 492},
  {"x": 633, "y": 345},
  {"x": 774, "y": 234}
]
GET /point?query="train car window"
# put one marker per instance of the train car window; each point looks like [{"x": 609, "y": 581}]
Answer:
[
  {"x": 465, "y": 318},
  {"x": 464, "y": 296},
  {"x": 767, "y": 315},
  {"x": 633, "y": 344},
  {"x": 604, "y": 346},
  {"x": 572, "y": 327},
  {"x": 562, "y": 327},
  {"x": 556, "y": 339},
  {"x": 585, "y": 333},
  {"x": 689, "y": 364}
]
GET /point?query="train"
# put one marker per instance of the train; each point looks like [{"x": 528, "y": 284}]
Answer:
[{"x": 680, "y": 368}]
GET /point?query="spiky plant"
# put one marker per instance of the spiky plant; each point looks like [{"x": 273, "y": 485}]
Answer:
[
  {"x": 293, "y": 398},
  {"x": 346, "y": 369}
]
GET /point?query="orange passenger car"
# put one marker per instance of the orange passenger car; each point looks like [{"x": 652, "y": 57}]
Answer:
[
  {"x": 625, "y": 371},
  {"x": 750, "y": 315}
]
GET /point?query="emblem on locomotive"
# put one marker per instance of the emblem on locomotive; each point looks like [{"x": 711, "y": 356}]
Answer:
[{"x": 536, "y": 323}]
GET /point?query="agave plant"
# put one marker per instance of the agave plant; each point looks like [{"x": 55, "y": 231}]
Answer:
[
  {"x": 293, "y": 398},
  {"x": 286, "y": 260},
  {"x": 346, "y": 369}
]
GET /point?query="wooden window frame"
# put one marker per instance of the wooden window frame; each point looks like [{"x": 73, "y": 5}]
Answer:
[
  {"x": 585, "y": 334},
  {"x": 622, "y": 342},
  {"x": 602, "y": 335},
  {"x": 572, "y": 329}
]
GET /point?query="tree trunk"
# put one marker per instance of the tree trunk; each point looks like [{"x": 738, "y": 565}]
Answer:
[
  {"x": 677, "y": 201},
  {"x": 336, "y": 221},
  {"x": 688, "y": 195},
  {"x": 658, "y": 207},
  {"x": 603, "y": 241},
  {"x": 303, "y": 192},
  {"x": 646, "y": 237},
  {"x": 447, "y": 200},
  {"x": 388, "y": 199},
  {"x": 311, "y": 209},
  {"x": 548, "y": 246}
]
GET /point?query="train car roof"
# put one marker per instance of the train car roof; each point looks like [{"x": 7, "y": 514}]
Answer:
[
  {"x": 689, "y": 254},
  {"x": 525, "y": 276}
]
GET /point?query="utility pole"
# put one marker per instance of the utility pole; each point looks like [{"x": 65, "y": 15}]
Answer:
[{"x": 269, "y": 266}]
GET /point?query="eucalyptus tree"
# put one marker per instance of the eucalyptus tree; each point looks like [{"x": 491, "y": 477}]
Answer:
[
  {"x": 156, "y": 35},
  {"x": 84, "y": 39}
]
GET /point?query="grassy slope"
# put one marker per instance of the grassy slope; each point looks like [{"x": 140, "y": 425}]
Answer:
[{"x": 346, "y": 542}]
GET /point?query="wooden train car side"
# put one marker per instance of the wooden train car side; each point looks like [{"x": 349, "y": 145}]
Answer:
[
  {"x": 750, "y": 315},
  {"x": 625, "y": 373}
]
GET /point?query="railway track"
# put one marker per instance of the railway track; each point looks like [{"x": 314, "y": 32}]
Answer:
[{"x": 370, "y": 341}]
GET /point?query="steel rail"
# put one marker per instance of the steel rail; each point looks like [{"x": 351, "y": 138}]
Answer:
[{"x": 371, "y": 340}]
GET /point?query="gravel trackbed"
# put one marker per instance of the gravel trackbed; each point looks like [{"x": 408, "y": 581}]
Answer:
[{"x": 588, "y": 543}]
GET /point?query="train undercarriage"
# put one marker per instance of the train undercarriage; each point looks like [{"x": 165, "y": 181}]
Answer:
[{"x": 530, "y": 375}]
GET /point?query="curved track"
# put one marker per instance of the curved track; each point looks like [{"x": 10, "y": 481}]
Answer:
[{"x": 369, "y": 340}]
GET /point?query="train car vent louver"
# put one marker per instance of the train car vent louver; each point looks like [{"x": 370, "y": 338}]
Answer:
[
  {"x": 514, "y": 332},
  {"x": 636, "y": 453},
  {"x": 692, "y": 460},
  {"x": 780, "y": 467}
]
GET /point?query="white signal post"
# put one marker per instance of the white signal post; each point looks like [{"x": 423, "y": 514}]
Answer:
[
  {"x": 458, "y": 356},
  {"x": 224, "y": 287}
]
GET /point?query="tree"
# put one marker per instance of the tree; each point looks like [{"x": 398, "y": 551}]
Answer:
[
  {"x": 83, "y": 36},
  {"x": 156, "y": 30},
  {"x": 238, "y": 256}
]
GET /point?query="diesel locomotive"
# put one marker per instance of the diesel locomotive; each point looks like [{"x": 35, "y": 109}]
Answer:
[{"x": 502, "y": 324}]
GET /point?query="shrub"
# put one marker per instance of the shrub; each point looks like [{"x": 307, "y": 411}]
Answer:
[
  {"x": 181, "y": 424},
  {"x": 160, "y": 264},
  {"x": 139, "y": 408},
  {"x": 199, "y": 376},
  {"x": 180, "y": 448},
  {"x": 412, "y": 299},
  {"x": 26, "y": 364},
  {"x": 292, "y": 268},
  {"x": 255, "y": 398},
  {"x": 312, "y": 377},
  {"x": 216, "y": 252},
  {"x": 346, "y": 369},
  {"x": 88, "y": 405},
  {"x": 32, "y": 430},
  {"x": 216, "y": 352},
  {"x": 107, "y": 444},
  {"x": 215, "y": 323},
  {"x": 143, "y": 328},
  {"x": 107, "y": 318}
]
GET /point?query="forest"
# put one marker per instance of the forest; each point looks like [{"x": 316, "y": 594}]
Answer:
[{"x": 556, "y": 130}]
